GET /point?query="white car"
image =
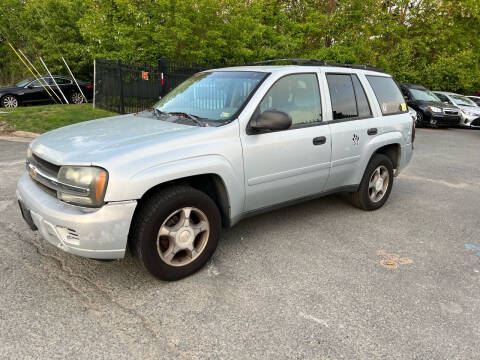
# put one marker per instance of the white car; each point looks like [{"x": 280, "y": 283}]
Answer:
[
  {"x": 469, "y": 110},
  {"x": 475, "y": 99}
]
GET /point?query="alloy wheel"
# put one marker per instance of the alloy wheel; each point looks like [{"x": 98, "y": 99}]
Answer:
[
  {"x": 10, "y": 102},
  {"x": 77, "y": 98},
  {"x": 378, "y": 184},
  {"x": 183, "y": 236}
]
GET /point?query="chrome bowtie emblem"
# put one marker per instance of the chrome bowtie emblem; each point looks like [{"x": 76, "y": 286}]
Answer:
[
  {"x": 33, "y": 173},
  {"x": 355, "y": 139}
]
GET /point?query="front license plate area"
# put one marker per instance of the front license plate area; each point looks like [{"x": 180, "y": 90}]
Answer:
[{"x": 27, "y": 216}]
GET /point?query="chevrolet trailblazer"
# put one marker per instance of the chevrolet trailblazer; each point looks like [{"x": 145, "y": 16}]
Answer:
[{"x": 223, "y": 145}]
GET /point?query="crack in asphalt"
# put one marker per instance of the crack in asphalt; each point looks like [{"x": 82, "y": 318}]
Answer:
[{"x": 107, "y": 293}]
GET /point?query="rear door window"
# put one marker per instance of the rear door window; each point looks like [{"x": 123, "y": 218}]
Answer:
[
  {"x": 362, "y": 101},
  {"x": 342, "y": 96},
  {"x": 388, "y": 95},
  {"x": 348, "y": 97}
]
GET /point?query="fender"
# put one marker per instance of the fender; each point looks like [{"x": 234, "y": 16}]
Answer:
[
  {"x": 142, "y": 181},
  {"x": 393, "y": 137}
]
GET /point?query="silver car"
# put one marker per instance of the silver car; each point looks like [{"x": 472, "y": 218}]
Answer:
[
  {"x": 469, "y": 110},
  {"x": 475, "y": 99},
  {"x": 224, "y": 145}
]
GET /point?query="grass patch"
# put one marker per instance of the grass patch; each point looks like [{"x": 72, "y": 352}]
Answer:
[{"x": 39, "y": 119}]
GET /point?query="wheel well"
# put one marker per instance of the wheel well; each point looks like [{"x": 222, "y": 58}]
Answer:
[
  {"x": 16, "y": 96},
  {"x": 210, "y": 184},
  {"x": 392, "y": 151}
]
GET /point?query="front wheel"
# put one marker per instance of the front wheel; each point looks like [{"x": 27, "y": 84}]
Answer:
[
  {"x": 419, "y": 122},
  {"x": 376, "y": 184},
  {"x": 175, "y": 232},
  {"x": 10, "y": 101}
]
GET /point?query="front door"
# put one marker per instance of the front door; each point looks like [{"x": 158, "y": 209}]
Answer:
[
  {"x": 294, "y": 163},
  {"x": 35, "y": 92}
]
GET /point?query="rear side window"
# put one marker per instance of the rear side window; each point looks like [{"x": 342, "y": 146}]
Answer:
[
  {"x": 348, "y": 97},
  {"x": 362, "y": 101},
  {"x": 62, "y": 81},
  {"x": 388, "y": 95}
]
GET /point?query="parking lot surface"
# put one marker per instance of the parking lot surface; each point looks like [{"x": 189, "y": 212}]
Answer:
[{"x": 312, "y": 281}]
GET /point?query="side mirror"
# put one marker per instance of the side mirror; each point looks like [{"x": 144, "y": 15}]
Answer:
[
  {"x": 271, "y": 120},
  {"x": 29, "y": 86}
]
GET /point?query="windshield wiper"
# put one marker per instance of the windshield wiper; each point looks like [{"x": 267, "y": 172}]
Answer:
[
  {"x": 158, "y": 113},
  {"x": 194, "y": 118}
]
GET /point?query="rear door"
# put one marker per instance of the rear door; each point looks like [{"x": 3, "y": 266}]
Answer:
[
  {"x": 285, "y": 165},
  {"x": 353, "y": 126}
]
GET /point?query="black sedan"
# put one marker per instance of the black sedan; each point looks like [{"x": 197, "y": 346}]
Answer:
[{"x": 30, "y": 91}]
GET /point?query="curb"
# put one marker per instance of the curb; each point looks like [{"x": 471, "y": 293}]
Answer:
[{"x": 24, "y": 134}]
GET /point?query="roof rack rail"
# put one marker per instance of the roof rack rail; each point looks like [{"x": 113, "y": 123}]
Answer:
[{"x": 317, "y": 62}]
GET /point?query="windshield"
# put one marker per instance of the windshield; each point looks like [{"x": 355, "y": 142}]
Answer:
[
  {"x": 23, "y": 82},
  {"x": 215, "y": 96},
  {"x": 462, "y": 100},
  {"x": 424, "y": 95}
]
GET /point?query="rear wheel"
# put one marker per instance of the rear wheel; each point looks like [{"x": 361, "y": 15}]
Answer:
[
  {"x": 10, "y": 101},
  {"x": 376, "y": 184},
  {"x": 76, "y": 98},
  {"x": 175, "y": 232}
]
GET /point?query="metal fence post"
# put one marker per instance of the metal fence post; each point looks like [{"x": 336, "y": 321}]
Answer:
[
  {"x": 163, "y": 68},
  {"x": 121, "y": 109},
  {"x": 94, "y": 80}
]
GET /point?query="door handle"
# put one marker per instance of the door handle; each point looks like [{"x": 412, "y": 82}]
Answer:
[
  {"x": 372, "y": 131},
  {"x": 319, "y": 140}
]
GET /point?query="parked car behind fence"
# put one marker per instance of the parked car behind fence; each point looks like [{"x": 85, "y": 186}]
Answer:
[{"x": 33, "y": 91}]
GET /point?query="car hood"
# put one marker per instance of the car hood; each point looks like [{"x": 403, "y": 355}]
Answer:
[
  {"x": 473, "y": 109},
  {"x": 8, "y": 89},
  {"x": 90, "y": 142},
  {"x": 434, "y": 103}
]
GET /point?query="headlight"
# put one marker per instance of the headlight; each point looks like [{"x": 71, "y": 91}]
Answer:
[
  {"x": 85, "y": 185},
  {"x": 469, "y": 113},
  {"x": 434, "y": 109}
]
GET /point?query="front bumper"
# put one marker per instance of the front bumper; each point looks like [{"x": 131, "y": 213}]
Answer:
[
  {"x": 444, "y": 120},
  {"x": 470, "y": 120},
  {"x": 94, "y": 233}
]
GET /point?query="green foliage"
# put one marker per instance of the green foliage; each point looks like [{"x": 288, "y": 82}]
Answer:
[{"x": 430, "y": 42}]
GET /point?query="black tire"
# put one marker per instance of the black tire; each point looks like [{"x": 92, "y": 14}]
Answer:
[
  {"x": 419, "y": 123},
  {"x": 150, "y": 217},
  {"x": 10, "y": 102},
  {"x": 361, "y": 198}
]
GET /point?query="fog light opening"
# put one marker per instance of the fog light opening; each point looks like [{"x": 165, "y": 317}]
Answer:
[{"x": 433, "y": 122}]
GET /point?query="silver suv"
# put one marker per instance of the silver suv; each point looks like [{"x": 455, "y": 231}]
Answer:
[{"x": 223, "y": 145}]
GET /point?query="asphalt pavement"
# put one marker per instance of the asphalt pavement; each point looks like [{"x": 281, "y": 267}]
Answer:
[{"x": 319, "y": 280}]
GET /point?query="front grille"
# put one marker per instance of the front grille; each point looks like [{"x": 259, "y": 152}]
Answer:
[
  {"x": 46, "y": 189},
  {"x": 450, "y": 112},
  {"x": 49, "y": 171},
  {"x": 44, "y": 165},
  {"x": 45, "y": 173}
]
